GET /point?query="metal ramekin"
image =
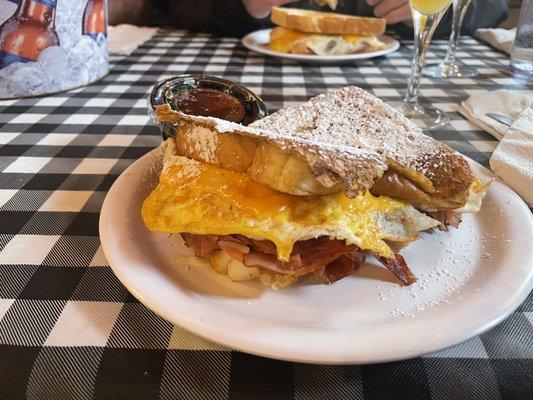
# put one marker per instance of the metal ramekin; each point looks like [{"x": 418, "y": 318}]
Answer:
[{"x": 164, "y": 91}]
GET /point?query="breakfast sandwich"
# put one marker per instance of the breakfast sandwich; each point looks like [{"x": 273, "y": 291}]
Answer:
[
  {"x": 300, "y": 31},
  {"x": 312, "y": 189}
]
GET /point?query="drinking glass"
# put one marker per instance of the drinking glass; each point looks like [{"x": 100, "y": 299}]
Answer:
[
  {"x": 451, "y": 67},
  {"x": 522, "y": 53},
  {"x": 426, "y": 16}
]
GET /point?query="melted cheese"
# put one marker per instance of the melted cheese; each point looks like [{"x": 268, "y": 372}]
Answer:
[
  {"x": 286, "y": 40},
  {"x": 211, "y": 200},
  {"x": 353, "y": 38},
  {"x": 282, "y": 39}
]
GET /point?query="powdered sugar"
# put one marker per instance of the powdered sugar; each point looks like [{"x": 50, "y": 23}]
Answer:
[
  {"x": 189, "y": 168},
  {"x": 352, "y": 118},
  {"x": 204, "y": 141},
  {"x": 352, "y": 136}
]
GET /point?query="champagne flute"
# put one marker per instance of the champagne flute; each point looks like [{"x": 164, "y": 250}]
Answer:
[
  {"x": 451, "y": 67},
  {"x": 426, "y": 16}
]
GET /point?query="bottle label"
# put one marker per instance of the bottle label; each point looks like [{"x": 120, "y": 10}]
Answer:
[
  {"x": 49, "y": 3},
  {"x": 93, "y": 36},
  {"x": 8, "y": 58}
]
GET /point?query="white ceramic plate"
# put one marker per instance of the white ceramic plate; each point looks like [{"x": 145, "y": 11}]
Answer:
[
  {"x": 469, "y": 280},
  {"x": 255, "y": 41}
]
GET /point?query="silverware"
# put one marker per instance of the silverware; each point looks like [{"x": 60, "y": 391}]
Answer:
[{"x": 504, "y": 119}]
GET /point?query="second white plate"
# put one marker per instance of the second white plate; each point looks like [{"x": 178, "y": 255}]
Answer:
[{"x": 257, "y": 40}]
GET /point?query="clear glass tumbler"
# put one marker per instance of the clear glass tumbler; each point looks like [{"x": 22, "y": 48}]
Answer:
[{"x": 522, "y": 53}]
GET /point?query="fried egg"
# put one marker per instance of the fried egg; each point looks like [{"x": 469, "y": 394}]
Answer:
[{"x": 200, "y": 198}]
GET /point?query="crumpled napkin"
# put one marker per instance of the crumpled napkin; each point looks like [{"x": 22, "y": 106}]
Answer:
[
  {"x": 513, "y": 158},
  {"x": 506, "y": 102},
  {"x": 502, "y": 39},
  {"x": 125, "y": 38}
]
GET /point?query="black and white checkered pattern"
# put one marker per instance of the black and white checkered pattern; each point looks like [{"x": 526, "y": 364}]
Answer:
[{"x": 70, "y": 330}]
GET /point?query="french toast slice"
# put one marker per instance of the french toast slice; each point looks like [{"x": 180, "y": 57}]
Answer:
[
  {"x": 344, "y": 140},
  {"x": 233, "y": 152},
  {"x": 266, "y": 164},
  {"x": 327, "y": 22}
]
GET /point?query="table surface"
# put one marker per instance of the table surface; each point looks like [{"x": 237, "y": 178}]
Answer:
[{"x": 70, "y": 330}]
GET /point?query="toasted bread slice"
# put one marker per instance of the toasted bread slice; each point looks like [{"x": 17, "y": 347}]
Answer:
[
  {"x": 344, "y": 140},
  {"x": 327, "y": 23},
  {"x": 233, "y": 152},
  {"x": 286, "y": 172},
  {"x": 267, "y": 165}
]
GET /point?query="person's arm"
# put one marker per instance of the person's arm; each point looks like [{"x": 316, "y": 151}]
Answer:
[
  {"x": 394, "y": 11},
  {"x": 262, "y": 8},
  {"x": 221, "y": 17}
]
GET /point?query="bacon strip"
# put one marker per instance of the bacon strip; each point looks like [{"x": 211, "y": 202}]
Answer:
[
  {"x": 328, "y": 259},
  {"x": 342, "y": 266},
  {"x": 398, "y": 267},
  {"x": 446, "y": 217}
]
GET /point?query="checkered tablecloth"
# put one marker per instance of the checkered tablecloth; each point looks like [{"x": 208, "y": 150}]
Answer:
[{"x": 70, "y": 330}]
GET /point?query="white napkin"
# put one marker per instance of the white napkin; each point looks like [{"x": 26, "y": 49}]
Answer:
[
  {"x": 513, "y": 158},
  {"x": 500, "y": 38},
  {"x": 506, "y": 102},
  {"x": 125, "y": 38}
]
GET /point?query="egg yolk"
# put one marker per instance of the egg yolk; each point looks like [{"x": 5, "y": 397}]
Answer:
[
  {"x": 282, "y": 39},
  {"x": 212, "y": 200}
]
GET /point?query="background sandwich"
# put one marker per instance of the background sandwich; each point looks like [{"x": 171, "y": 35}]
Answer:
[
  {"x": 310, "y": 189},
  {"x": 321, "y": 33}
]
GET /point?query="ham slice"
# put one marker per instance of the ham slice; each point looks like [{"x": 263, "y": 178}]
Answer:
[
  {"x": 265, "y": 246},
  {"x": 266, "y": 261},
  {"x": 228, "y": 244},
  {"x": 270, "y": 262},
  {"x": 234, "y": 249},
  {"x": 203, "y": 245}
]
